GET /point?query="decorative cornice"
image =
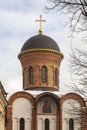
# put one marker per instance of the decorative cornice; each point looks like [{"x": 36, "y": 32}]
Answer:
[{"x": 41, "y": 49}]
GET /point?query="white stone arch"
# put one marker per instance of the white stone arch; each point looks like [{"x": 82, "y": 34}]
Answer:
[
  {"x": 22, "y": 108},
  {"x": 51, "y": 104},
  {"x": 70, "y": 109}
]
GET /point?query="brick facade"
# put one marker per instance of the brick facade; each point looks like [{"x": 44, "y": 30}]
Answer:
[
  {"x": 36, "y": 59},
  {"x": 34, "y": 102}
]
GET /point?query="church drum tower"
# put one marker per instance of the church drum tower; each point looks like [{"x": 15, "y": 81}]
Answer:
[{"x": 40, "y": 59}]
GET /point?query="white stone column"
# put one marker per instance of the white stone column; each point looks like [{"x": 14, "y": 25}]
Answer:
[
  {"x": 40, "y": 124},
  {"x": 66, "y": 127},
  {"x": 15, "y": 123},
  {"x": 43, "y": 125},
  {"x": 52, "y": 124},
  {"x": 28, "y": 124}
]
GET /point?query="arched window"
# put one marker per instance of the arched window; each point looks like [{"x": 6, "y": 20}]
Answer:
[
  {"x": 71, "y": 124},
  {"x": 55, "y": 76},
  {"x": 31, "y": 75},
  {"x": 46, "y": 124},
  {"x": 22, "y": 125},
  {"x": 44, "y": 74}
]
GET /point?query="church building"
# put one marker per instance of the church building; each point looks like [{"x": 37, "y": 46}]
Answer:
[{"x": 40, "y": 58}]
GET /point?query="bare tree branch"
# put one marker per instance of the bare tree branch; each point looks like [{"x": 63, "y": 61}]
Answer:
[{"x": 77, "y": 10}]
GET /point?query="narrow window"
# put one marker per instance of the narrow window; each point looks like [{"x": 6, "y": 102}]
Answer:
[
  {"x": 22, "y": 124},
  {"x": 46, "y": 124},
  {"x": 31, "y": 75},
  {"x": 55, "y": 76},
  {"x": 44, "y": 74},
  {"x": 71, "y": 124}
]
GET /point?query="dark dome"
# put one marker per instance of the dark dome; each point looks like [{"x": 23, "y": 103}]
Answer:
[{"x": 40, "y": 42}]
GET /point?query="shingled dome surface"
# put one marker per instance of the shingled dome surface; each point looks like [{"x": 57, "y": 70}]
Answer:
[{"x": 40, "y": 42}]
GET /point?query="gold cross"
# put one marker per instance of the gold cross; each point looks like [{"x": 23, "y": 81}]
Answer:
[{"x": 41, "y": 20}]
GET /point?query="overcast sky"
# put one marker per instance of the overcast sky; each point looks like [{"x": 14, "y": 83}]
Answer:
[{"x": 17, "y": 24}]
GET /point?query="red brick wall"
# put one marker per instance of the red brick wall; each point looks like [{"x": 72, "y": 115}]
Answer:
[{"x": 37, "y": 59}]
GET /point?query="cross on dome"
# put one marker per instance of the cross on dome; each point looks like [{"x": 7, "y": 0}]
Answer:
[{"x": 40, "y": 20}]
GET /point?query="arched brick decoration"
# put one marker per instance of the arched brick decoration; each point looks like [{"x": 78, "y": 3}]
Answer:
[
  {"x": 21, "y": 94},
  {"x": 82, "y": 104},
  {"x": 56, "y": 98},
  {"x": 73, "y": 96},
  {"x": 9, "y": 108}
]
